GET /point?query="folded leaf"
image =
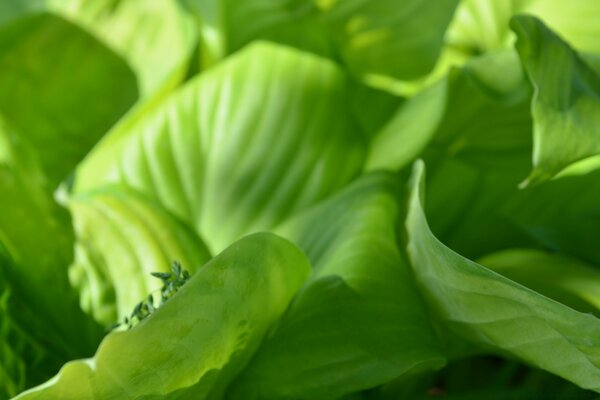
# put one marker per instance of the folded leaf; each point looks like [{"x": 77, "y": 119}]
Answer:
[
  {"x": 241, "y": 147},
  {"x": 566, "y": 104},
  {"x": 120, "y": 239},
  {"x": 497, "y": 313},
  {"x": 359, "y": 322},
  {"x": 194, "y": 344}
]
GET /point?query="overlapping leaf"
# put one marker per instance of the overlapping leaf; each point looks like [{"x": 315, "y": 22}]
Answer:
[
  {"x": 474, "y": 130},
  {"x": 566, "y": 104},
  {"x": 493, "y": 311},
  {"x": 200, "y": 339},
  {"x": 359, "y": 322},
  {"x": 120, "y": 239},
  {"x": 387, "y": 38},
  {"x": 49, "y": 69},
  {"x": 157, "y": 38},
  {"x": 241, "y": 147},
  {"x": 559, "y": 277}
]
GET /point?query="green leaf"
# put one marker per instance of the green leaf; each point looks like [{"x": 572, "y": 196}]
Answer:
[
  {"x": 31, "y": 220},
  {"x": 120, "y": 239},
  {"x": 49, "y": 69},
  {"x": 193, "y": 345},
  {"x": 12, "y": 9},
  {"x": 228, "y": 25},
  {"x": 474, "y": 124},
  {"x": 386, "y": 38},
  {"x": 561, "y": 214},
  {"x": 566, "y": 104},
  {"x": 489, "y": 88},
  {"x": 359, "y": 322},
  {"x": 156, "y": 38},
  {"x": 480, "y": 26},
  {"x": 243, "y": 146},
  {"x": 41, "y": 325},
  {"x": 559, "y": 277},
  {"x": 28, "y": 355},
  {"x": 410, "y": 130},
  {"x": 497, "y": 313}
]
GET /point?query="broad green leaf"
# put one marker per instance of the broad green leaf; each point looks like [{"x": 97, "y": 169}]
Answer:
[
  {"x": 291, "y": 22},
  {"x": 12, "y": 9},
  {"x": 243, "y": 146},
  {"x": 12, "y": 366},
  {"x": 473, "y": 128},
  {"x": 157, "y": 38},
  {"x": 41, "y": 325},
  {"x": 31, "y": 220},
  {"x": 373, "y": 108},
  {"x": 359, "y": 322},
  {"x": 483, "y": 87},
  {"x": 120, "y": 239},
  {"x": 566, "y": 103},
  {"x": 479, "y": 153},
  {"x": 562, "y": 278},
  {"x": 561, "y": 214},
  {"x": 410, "y": 130},
  {"x": 50, "y": 69},
  {"x": 572, "y": 20},
  {"x": 28, "y": 356},
  {"x": 497, "y": 313},
  {"x": 193, "y": 345},
  {"x": 228, "y": 25},
  {"x": 384, "y": 37},
  {"x": 480, "y": 26}
]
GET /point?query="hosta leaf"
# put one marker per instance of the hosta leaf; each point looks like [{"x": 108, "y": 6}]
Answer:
[
  {"x": 359, "y": 321},
  {"x": 11, "y": 9},
  {"x": 410, "y": 129},
  {"x": 157, "y": 38},
  {"x": 194, "y": 344},
  {"x": 480, "y": 26},
  {"x": 558, "y": 220},
  {"x": 30, "y": 219},
  {"x": 48, "y": 66},
  {"x": 387, "y": 38},
  {"x": 41, "y": 325},
  {"x": 474, "y": 124},
  {"x": 241, "y": 147},
  {"x": 495, "y": 312},
  {"x": 228, "y": 25},
  {"x": 566, "y": 103},
  {"x": 120, "y": 239},
  {"x": 27, "y": 354},
  {"x": 559, "y": 277},
  {"x": 484, "y": 87}
]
